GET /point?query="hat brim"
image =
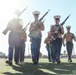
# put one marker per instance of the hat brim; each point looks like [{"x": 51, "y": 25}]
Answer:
[
  {"x": 57, "y": 18},
  {"x": 35, "y": 14}
]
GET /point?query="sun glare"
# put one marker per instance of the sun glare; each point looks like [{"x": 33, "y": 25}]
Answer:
[{"x": 7, "y": 7}]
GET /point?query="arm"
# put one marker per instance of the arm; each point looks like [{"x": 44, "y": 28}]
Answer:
[
  {"x": 52, "y": 30},
  {"x": 63, "y": 39},
  {"x": 31, "y": 27},
  {"x": 73, "y": 36},
  {"x": 7, "y": 28},
  {"x": 42, "y": 27},
  {"x": 23, "y": 35},
  {"x": 45, "y": 41},
  {"x": 61, "y": 30}
]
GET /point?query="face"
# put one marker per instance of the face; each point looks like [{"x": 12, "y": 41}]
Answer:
[
  {"x": 68, "y": 29},
  {"x": 57, "y": 21},
  {"x": 36, "y": 16}
]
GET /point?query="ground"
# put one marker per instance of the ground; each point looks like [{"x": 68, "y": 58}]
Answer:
[{"x": 43, "y": 68}]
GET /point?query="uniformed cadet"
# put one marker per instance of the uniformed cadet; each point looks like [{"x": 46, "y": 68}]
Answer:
[
  {"x": 69, "y": 37},
  {"x": 48, "y": 42},
  {"x": 15, "y": 27},
  {"x": 56, "y": 44},
  {"x": 36, "y": 37}
]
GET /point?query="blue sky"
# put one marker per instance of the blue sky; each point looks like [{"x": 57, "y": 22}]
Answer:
[{"x": 57, "y": 7}]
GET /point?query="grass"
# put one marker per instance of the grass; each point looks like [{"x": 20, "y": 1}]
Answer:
[{"x": 43, "y": 68}]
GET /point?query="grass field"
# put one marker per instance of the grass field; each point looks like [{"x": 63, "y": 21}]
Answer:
[{"x": 43, "y": 68}]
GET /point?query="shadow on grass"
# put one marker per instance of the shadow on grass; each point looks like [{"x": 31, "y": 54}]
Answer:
[{"x": 43, "y": 69}]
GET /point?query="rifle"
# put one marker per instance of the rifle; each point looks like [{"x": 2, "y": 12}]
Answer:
[
  {"x": 22, "y": 11},
  {"x": 56, "y": 34},
  {"x": 43, "y": 21},
  {"x": 36, "y": 24},
  {"x": 25, "y": 28},
  {"x": 7, "y": 29}
]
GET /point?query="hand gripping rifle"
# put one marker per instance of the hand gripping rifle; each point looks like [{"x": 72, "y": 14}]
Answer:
[
  {"x": 56, "y": 34},
  {"x": 36, "y": 24},
  {"x": 8, "y": 28}
]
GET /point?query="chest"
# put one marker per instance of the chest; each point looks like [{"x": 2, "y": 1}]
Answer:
[
  {"x": 55, "y": 27},
  {"x": 69, "y": 35}
]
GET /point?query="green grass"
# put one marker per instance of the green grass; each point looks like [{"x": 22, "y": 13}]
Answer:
[{"x": 43, "y": 68}]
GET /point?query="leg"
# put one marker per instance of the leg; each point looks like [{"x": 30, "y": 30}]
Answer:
[
  {"x": 53, "y": 51},
  {"x": 49, "y": 52},
  {"x": 22, "y": 51},
  {"x": 33, "y": 49},
  {"x": 38, "y": 48},
  {"x": 47, "y": 47},
  {"x": 10, "y": 53},
  {"x": 17, "y": 46},
  {"x": 10, "y": 49},
  {"x": 59, "y": 47},
  {"x": 69, "y": 47}
]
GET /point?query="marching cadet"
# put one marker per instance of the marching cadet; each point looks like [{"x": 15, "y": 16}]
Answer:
[
  {"x": 56, "y": 44},
  {"x": 36, "y": 37},
  {"x": 69, "y": 37},
  {"x": 48, "y": 42},
  {"x": 15, "y": 27}
]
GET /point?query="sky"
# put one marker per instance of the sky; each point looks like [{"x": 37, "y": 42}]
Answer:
[{"x": 57, "y": 7}]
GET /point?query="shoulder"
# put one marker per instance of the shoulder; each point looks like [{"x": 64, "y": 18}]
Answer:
[
  {"x": 65, "y": 34},
  {"x": 32, "y": 23},
  {"x": 72, "y": 34}
]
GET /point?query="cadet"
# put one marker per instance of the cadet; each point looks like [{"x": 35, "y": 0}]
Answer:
[
  {"x": 48, "y": 42},
  {"x": 69, "y": 37},
  {"x": 15, "y": 27},
  {"x": 57, "y": 44},
  {"x": 36, "y": 37}
]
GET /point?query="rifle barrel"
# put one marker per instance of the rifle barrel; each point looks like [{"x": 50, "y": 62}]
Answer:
[{"x": 23, "y": 11}]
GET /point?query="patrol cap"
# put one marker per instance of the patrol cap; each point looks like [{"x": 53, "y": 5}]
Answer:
[
  {"x": 57, "y": 17},
  {"x": 36, "y": 13},
  {"x": 68, "y": 27}
]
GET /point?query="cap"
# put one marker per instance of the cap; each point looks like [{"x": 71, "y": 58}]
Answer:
[
  {"x": 68, "y": 27},
  {"x": 17, "y": 12},
  {"x": 36, "y": 13},
  {"x": 57, "y": 17}
]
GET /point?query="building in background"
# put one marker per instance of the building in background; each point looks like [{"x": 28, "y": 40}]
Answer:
[{"x": 2, "y": 55}]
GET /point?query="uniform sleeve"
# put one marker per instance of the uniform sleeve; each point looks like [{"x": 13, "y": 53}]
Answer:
[{"x": 63, "y": 38}]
